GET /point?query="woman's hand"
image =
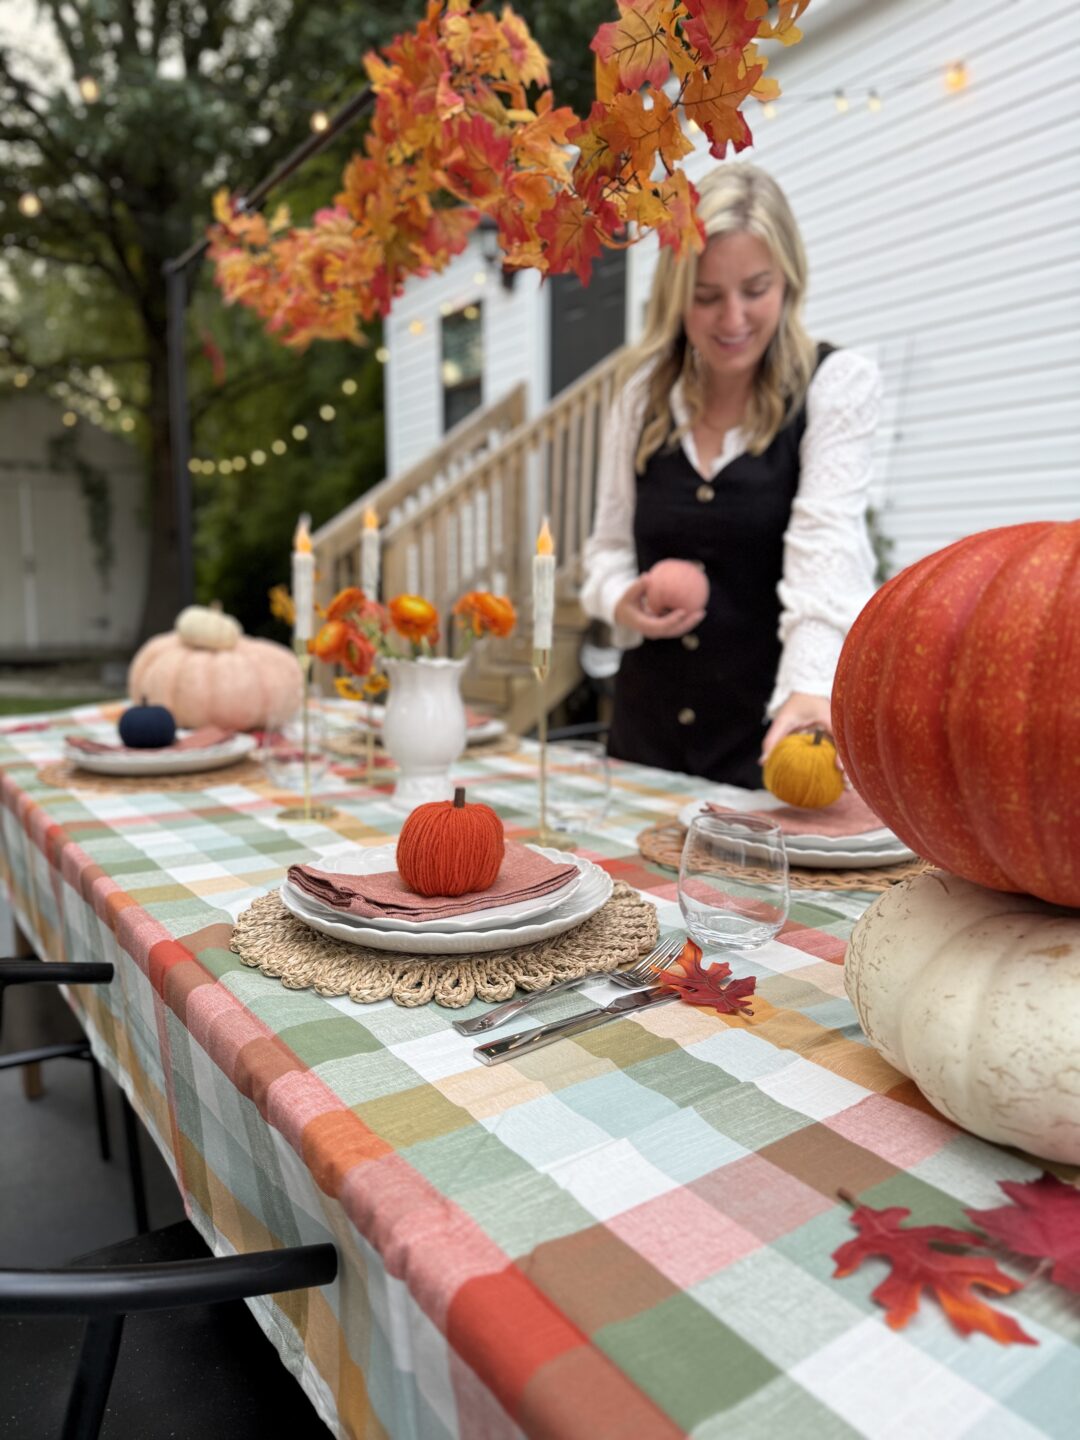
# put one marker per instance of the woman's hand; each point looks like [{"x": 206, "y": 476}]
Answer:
[
  {"x": 633, "y": 612},
  {"x": 798, "y": 712}
]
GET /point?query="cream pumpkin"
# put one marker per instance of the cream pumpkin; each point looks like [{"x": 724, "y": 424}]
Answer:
[
  {"x": 207, "y": 627},
  {"x": 251, "y": 684},
  {"x": 975, "y": 994}
]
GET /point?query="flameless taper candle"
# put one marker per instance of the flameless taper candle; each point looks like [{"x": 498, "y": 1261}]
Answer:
[
  {"x": 369, "y": 555},
  {"x": 543, "y": 590},
  {"x": 303, "y": 582}
]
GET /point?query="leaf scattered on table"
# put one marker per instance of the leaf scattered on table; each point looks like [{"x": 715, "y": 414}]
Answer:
[
  {"x": 698, "y": 984},
  {"x": 1043, "y": 1221},
  {"x": 917, "y": 1265}
]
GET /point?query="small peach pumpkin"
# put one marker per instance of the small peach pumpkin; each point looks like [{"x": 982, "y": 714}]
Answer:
[
  {"x": 450, "y": 848},
  {"x": 801, "y": 770},
  {"x": 249, "y": 684}
]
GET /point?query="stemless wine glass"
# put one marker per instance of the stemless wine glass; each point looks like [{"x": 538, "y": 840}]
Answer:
[
  {"x": 282, "y": 751},
  {"x": 578, "y": 785},
  {"x": 733, "y": 881}
]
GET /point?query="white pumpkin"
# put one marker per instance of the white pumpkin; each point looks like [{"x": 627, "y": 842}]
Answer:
[
  {"x": 975, "y": 995},
  {"x": 207, "y": 627}
]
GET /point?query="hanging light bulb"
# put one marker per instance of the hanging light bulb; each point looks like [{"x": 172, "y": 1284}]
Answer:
[
  {"x": 299, "y": 432},
  {"x": 30, "y": 205},
  {"x": 225, "y": 466},
  {"x": 114, "y": 402},
  {"x": 89, "y": 89},
  {"x": 349, "y": 386},
  {"x": 840, "y": 100},
  {"x": 327, "y": 413},
  {"x": 239, "y": 463},
  {"x": 22, "y": 379},
  {"x": 382, "y": 354},
  {"x": 127, "y": 424},
  {"x": 279, "y": 447},
  {"x": 873, "y": 101},
  {"x": 69, "y": 418},
  {"x": 769, "y": 110},
  {"x": 258, "y": 457},
  {"x": 320, "y": 122},
  {"x": 416, "y": 327},
  {"x": 957, "y": 77}
]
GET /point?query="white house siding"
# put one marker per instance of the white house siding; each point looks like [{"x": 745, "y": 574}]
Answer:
[
  {"x": 515, "y": 349},
  {"x": 52, "y": 597},
  {"x": 942, "y": 234}
]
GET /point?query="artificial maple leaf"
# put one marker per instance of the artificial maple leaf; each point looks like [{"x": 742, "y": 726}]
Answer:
[
  {"x": 476, "y": 168},
  {"x": 918, "y": 1266},
  {"x": 718, "y": 25},
  {"x": 712, "y": 97},
  {"x": 638, "y": 43},
  {"x": 1043, "y": 1221},
  {"x": 783, "y": 28},
  {"x": 643, "y": 125},
  {"x": 571, "y": 232},
  {"x": 704, "y": 985}
]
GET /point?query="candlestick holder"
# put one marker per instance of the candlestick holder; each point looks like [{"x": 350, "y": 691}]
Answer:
[
  {"x": 541, "y": 666},
  {"x": 307, "y": 811}
]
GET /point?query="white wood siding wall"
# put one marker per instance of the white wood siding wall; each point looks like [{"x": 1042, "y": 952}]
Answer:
[
  {"x": 515, "y": 349},
  {"x": 944, "y": 240}
]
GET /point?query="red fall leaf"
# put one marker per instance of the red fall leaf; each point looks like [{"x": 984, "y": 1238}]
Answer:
[
  {"x": 1043, "y": 1221},
  {"x": 698, "y": 984},
  {"x": 917, "y": 1265}
]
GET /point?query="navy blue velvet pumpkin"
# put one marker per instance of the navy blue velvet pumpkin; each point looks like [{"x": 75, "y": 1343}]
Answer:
[{"x": 147, "y": 727}]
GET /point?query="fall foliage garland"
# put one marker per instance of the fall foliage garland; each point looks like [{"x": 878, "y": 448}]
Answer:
[{"x": 454, "y": 137}]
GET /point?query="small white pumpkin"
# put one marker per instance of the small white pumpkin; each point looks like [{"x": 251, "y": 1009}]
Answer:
[
  {"x": 975, "y": 995},
  {"x": 207, "y": 627}
]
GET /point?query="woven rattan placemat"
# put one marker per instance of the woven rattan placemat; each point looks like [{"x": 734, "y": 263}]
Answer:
[
  {"x": 65, "y": 776},
  {"x": 662, "y": 844},
  {"x": 269, "y": 939}
]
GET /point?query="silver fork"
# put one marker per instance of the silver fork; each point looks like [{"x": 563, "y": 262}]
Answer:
[{"x": 642, "y": 973}]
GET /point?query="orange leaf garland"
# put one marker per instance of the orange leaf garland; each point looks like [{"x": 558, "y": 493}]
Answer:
[
  {"x": 452, "y": 120},
  {"x": 916, "y": 1265}
]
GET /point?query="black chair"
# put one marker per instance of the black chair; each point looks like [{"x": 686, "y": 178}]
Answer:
[
  {"x": 35, "y": 972},
  {"x": 194, "y": 1361}
]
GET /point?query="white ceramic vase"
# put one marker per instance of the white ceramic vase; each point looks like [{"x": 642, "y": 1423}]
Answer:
[{"x": 424, "y": 727}]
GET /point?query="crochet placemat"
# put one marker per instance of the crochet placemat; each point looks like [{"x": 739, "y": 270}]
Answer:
[
  {"x": 663, "y": 844},
  {"x": 269, "y": 939},
  {"x": 64, "y": 776}
]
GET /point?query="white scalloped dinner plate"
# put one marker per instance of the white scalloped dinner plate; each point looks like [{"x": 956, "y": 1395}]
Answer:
[
  {"x": 870, "y": 842},
  {"x": 595, "y": 888},
  {"x": 155, "y": 762},
  {"x": 358, "y": 712},
  {"x": 383, "y": 857}
]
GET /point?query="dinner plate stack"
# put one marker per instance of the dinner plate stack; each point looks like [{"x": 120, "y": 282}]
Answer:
[
  {"x": 502, "y": 927},
  {"x": 866, "y": 851},
  {"x": 162, "y": 762}
]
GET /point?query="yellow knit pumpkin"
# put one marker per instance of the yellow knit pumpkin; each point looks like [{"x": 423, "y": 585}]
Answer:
[{"x": 801, "y": 770}]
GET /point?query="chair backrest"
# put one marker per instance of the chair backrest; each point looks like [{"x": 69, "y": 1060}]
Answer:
[{"x": 52, "y": 972}]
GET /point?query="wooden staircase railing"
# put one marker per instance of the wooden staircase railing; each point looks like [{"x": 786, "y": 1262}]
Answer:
[{"x": 466, "y": 518}]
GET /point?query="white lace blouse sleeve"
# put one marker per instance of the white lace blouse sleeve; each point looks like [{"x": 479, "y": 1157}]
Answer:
[
  {"x": 610, "y": 554},
  {"x": 828, "y": 561}
]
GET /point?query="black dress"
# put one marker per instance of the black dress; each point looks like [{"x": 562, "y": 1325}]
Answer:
[{"x": 697, "y": 704}]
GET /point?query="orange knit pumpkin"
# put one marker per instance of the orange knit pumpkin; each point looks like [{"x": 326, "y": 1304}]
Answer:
[{"x": 450, "y": 848}]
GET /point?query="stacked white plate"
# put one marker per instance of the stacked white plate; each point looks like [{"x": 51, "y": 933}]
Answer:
[
  {"x": 365, "y": 716},
  {"x": 162, "y": 762},
  {"x": 866, "y": 851},
  {"x": 501, "y": 927}
]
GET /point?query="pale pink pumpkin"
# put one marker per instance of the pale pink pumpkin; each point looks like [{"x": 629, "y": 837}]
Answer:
[
  {"x": 676, "y": 585},
  {"x": 251, "y": 684}
]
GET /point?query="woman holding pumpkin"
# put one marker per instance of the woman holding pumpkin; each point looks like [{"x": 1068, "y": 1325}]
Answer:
[{"x": 739, "y": 445}]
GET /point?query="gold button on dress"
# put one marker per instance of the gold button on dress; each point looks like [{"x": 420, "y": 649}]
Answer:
[
  {"x": 705, "y": 492},
  {"x": 686, "y": 716},
  {"x": 690, "y": 642}
]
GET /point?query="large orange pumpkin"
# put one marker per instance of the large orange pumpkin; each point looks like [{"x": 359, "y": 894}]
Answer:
[
  {"x": 449, "y": 848},
  {"x": 242, "y": 685},
  {"x": 956, "y": 708}
]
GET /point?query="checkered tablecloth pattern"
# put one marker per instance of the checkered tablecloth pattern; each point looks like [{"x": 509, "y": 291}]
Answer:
[{"x": 621, "y": 1237}]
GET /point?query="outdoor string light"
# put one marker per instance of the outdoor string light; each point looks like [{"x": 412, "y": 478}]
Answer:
[
  {"x": 320, "y": 122},
  {"x": 30, "y": 205},
  {"x": 89, "y": 89}
]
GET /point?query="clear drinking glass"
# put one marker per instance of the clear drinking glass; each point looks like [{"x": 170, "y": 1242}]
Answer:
[
  {"x": 733, "y": 881},
  {"x": 578, "y": 785},
  {"x": 282, "y": 751}
]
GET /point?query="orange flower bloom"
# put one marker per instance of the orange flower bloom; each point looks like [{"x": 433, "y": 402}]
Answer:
[
  {"x": 415, "y": 618},
  {"x": 340, "y": 643},
  {"x": 281, "y": 605},
  {"x": 486, "y": 614},
  {"x": 329, "y": 641},
  {"x": 351, "y": 598}
]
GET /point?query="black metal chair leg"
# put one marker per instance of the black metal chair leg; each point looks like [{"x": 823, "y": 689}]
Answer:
[
  {"x": 99, "y": 1110},
  {"x": 93, "y": 1377},
  {"x": 135, "y": 1170}
]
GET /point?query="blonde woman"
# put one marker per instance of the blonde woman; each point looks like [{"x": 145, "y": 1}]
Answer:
[{"x": 738, "y": 444}]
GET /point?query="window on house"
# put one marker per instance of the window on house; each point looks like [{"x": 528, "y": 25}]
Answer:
[{"x": 462, "y": 363}]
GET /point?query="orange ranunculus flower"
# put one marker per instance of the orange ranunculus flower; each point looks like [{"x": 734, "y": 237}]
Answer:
[
  {"x": 358, "y": 655},
  {"x": 486, "y": 614},
  {"x": 345, "y": 601},
  {"x": 415, "y": 618},
  {"x": 330, "y": 640}
]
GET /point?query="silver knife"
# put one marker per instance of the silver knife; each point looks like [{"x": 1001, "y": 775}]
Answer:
[
  {"x": 526, "y": 1041},
  {"x": 493, "y": 1018}
]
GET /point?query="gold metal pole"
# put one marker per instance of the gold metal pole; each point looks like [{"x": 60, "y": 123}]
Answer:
[{"x": 541, "y": 664}]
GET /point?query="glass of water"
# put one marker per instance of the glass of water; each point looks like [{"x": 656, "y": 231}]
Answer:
[
  {"x": 282, "y": 751},
  {"x": 733, "y": 881},
  {"x": 578, "y": 786}
]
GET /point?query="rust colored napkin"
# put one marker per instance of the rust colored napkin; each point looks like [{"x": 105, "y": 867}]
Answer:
[
  {"x": 200, "y": 739},
  {"x": 525, "y": 875},
  {"x": 850, "y": 815}
]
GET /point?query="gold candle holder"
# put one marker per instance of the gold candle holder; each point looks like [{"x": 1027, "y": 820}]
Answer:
[{"x": 306, "y": 811}]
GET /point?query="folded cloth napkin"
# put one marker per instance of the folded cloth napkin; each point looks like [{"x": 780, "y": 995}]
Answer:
[
  {"x": 200, "y": 739},
  {"x": 850, "y": 815},
  {"x": 525, "y": 875}
]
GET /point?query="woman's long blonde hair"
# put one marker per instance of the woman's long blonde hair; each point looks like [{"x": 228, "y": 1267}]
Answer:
[{"x": 734, "y": 197}]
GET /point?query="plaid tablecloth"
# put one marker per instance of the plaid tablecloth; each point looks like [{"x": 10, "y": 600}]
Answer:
[{"x": 626, "y": 1235}]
